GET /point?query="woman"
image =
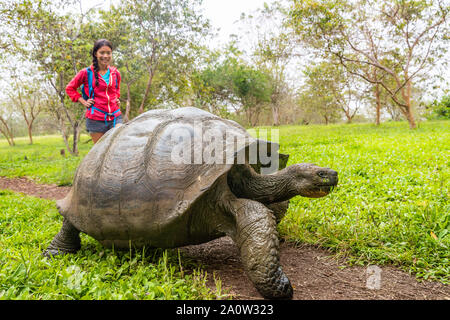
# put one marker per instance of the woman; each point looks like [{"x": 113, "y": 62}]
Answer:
[{"x": 100, "y": 86}]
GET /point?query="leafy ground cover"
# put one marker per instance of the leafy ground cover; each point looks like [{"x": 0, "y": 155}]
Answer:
[
  {"x": 392, "y": 202},
  {"x": 42, "y": 161},
  {"x": 27, "y": 225}
]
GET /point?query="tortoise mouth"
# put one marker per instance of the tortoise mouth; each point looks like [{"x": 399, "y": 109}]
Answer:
[
  {"x": 320, "y": 191},
  {"x": 328, "y": 187},
  {"x": 331, "y": 185}
]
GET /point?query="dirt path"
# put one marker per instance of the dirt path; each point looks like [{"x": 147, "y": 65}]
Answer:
[
  {"x": 27, "y": 186},
  {"x": 314, "y": 273}
]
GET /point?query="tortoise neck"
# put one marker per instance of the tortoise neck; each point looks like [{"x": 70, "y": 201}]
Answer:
[{"x": 246, "y": 183}]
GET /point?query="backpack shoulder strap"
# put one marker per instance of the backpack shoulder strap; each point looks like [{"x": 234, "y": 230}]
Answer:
[
  {"x": 90, "y": 87},
  {"x": 90, "y": 75},
  {"x": 115, "y": 71}
]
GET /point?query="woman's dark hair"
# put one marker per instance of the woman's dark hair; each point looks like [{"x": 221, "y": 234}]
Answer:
[{"x": 97, "y": 45}]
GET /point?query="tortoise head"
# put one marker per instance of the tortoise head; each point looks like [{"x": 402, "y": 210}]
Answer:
[{"x": 312, "y": 181}]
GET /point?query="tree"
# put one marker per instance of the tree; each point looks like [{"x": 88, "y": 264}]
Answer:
[
  {"x": 163, "y": 30},
  {"x": 6, "y": 115},
  {"x": 27, "y": 99},
  {"x": 346, "y": 91},
  {"x": 440, "y": 109},
  {"x": 321, "y": 94},
  {"x": 232, "y": 83},
  {"x": 272, "y": 50},
  {"x": 58, "y": 43},
  {"x": 400, "y": 39},
  {"x": 253, "y": 88}
]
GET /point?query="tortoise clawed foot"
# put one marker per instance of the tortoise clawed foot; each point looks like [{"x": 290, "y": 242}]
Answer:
[
  {"x": 66, "y": 241},
  {"x": 48, "y": 253},
  {"x": 279, "y": 288},
  {"x": 52, "y": 252}
]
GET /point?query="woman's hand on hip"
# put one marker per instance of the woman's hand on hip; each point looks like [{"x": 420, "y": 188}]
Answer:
[{"x": 87, "y": 103}]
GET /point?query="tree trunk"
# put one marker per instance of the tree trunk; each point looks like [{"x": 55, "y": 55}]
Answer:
[
  {"x": 406, "y": 92},
  {"x": 9, "y": 139},
  {"x": 7, "y": 132},
  {"x": 128, "y": 104},
  {"x": 147, "y": 90},
  {"x": 347, "y": 114},
  {"x": 275, "y": 115},
  {"x": 256, "y": 117},
  {"x": 377, "y": 104},
  {"x": 30, "y": 126},
  {"x": 410, "y": 118},
  {"x": 248, "y": 112},
  {"x": 62, "y": 128},
  {"x": 66, "y": 141},
  {"x": 76, "y": 138}
]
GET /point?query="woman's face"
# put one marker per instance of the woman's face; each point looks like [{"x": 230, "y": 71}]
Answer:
[{"x": 104, "y": 56}]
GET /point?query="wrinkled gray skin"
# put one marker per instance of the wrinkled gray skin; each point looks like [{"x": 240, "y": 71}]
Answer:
[{"x": 127, "y": 191}]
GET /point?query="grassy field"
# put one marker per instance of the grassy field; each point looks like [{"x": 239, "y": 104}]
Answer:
[
  {"x": 27, "y": 226},
  {"x": 392, "y": 201},
  {"x": 391, "y": 207},
  {"x": 41, "y": 161}
]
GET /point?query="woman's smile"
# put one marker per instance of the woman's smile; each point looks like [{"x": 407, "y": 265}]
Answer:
[{"x": 104, "y": 55}]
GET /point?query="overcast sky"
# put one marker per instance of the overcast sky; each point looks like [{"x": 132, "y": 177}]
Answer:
[{"x": 223, "y": 14}]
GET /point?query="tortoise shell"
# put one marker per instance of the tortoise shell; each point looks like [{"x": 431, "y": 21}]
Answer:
[{"x": 128, "y": 187}]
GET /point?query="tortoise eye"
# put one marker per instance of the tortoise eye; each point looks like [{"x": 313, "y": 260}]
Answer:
[{"x": 322, "y": 174}]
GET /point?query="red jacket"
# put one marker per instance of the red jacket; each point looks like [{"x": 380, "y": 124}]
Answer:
[{"x": 104, "y": 96}]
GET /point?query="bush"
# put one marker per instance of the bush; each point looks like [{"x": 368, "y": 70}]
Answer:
[{"x": 440, "y": 109}]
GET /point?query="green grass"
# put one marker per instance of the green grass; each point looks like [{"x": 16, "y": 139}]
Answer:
[
  {"x": 41, "y": 161},
  {"x": 28, "y": 225},
  {"x": 391, "y": 207}
]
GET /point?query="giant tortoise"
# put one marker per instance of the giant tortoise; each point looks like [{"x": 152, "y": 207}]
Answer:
[{"x": 152, "y": 182}]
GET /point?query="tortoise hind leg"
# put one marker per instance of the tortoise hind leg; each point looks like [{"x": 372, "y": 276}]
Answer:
[
  {"x": 256, "y": 236},
  {"x": 66, "y": 241}
]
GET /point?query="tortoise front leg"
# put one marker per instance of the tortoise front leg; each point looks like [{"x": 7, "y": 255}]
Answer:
[
  {"x": 257, "y": 239},
  {"x": 66, "y": 241},
  {"x": 279, "y": 209}
]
